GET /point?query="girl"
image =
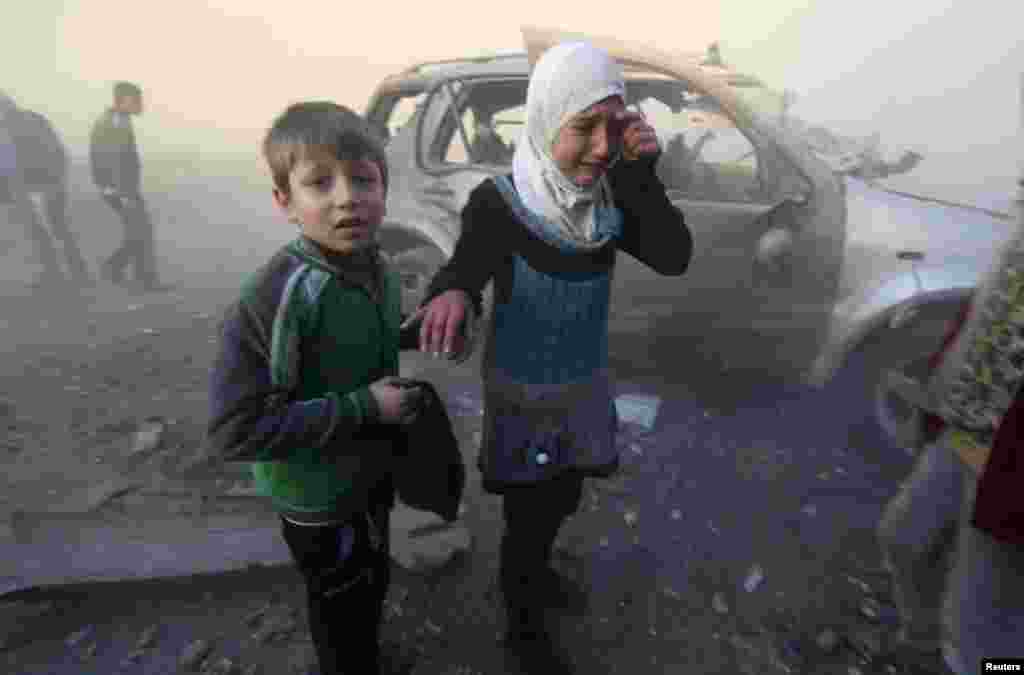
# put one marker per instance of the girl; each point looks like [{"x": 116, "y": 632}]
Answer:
[{"x": 583, "y": 186}]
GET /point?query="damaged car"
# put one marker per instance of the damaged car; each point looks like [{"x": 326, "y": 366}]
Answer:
[{"x": 796, "y": 266}]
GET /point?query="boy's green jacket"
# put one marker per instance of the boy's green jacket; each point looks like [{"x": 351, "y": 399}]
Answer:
[{"x": 289, "y": 387}]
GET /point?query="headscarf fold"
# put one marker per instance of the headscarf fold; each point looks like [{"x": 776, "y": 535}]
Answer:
[{"x": 568, "y": 79}]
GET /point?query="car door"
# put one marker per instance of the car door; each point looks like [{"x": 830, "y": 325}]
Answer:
[{"x": 446, "y": 138}]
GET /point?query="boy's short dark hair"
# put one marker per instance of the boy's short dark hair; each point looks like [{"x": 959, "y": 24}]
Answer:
[
  {"x": 320, "y": 125},
  {"x": 125, "y": 89}
]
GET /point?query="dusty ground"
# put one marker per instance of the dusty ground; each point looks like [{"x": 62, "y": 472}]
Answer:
[{"x": 791, "y": 481}]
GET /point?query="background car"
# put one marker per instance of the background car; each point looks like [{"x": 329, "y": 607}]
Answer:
[{"x": 796, "y": 266}]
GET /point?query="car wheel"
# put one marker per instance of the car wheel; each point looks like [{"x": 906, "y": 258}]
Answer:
[
  {"x": 896, "y": 361},
  {"x": 416, "y": 268}
]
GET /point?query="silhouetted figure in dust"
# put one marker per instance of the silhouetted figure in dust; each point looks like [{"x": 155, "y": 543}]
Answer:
[
  {"x": 36, "y": 163},
  {"x": 117, "y": 173}
]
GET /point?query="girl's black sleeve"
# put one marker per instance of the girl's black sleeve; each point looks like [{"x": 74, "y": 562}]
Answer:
[
  {"x": 654, "y": 230},
  {"x": 480, "y": 248}
]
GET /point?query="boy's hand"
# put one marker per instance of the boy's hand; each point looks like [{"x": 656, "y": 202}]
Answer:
[
  {"x": 639, "y": 138},
  {"x": 447, "y": 323},
  {"x": 398, "y": 402}
]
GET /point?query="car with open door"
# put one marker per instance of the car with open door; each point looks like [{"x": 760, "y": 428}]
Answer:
[{"x": 796, "y": 266}]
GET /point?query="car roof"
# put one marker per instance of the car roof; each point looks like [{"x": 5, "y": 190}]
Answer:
[{"x": 425, "y": 75}]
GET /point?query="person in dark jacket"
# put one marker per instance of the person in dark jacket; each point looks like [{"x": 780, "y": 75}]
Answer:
[
  {"x": 117, "y": 173},
  {"x": 39, "y": 167},
  {"x": 583, "y": 187}
]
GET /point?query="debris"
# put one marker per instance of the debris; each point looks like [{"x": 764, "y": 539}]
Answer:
[
  {"x": 711, "y": 526},
  {"x": 302, "y": 660},
  {"x": 252, "y": 669},
  {"x": 719, "y": 604},
  {"x": 194, "y": 653},
  {"x": 424, "y": 551},
  {"x": 869, "y": 607},
  {"x": 75, "y": 638},
  {"x": 676, "y": 514},
  {"x": 754, "y": 578},
  {"x": 432, "y": 627},
  {"x": 148, "y": 638},
  {"x": 630, "y": 517},
  {"x": 639, "y": 409},
  {"x": 635, "y": 447},
  {"x": 859, "y": 584},
  {"x": 148, "y": 436},
  {"x": 89, "y": 651},
  {"x": 827, "y": 640},
  {"x": 823, "y": 475},
  {"x": 809, "y": 510}
]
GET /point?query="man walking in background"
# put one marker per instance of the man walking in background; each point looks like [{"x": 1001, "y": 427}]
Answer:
[{"x": 117, "y": 173}]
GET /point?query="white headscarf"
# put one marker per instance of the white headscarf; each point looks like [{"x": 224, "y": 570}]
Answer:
[{"x": 568, "y": 79}]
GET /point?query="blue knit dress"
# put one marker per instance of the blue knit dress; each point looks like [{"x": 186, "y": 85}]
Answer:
[{"x": 548, "y": 393}]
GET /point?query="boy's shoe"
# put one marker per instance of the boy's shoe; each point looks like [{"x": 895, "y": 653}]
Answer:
[{"x": 559, "y": 592}]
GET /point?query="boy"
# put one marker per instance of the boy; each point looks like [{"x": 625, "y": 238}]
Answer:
[{"x": 305, "y": 385}]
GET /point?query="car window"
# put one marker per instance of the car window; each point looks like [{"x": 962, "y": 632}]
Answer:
[
  {"x": 402, "y": 112},
  {"x": 491, "y": 115},
  {"x": 705, "y": 156}
]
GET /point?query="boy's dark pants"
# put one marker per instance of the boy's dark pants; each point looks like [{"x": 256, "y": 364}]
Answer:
[
  {"x": 533, "y": 515},
  {"x": 345, "y": 596}
]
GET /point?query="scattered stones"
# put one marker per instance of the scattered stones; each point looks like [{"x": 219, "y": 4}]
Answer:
[
  {"x": 148, "y": 638},
  {"x": 719, "y": 604},
  {"x": 754, "y": 578},
  {"x": 223, "y": 666},
  {"x": 148, "y": 436},
  {"x": 827, "y": 640},
  {"x": 630, "y": 517},
  {"x": 677, "y": 514},
  {"x": 78, "y": 636},
  {"x": 194, "y": 654}
]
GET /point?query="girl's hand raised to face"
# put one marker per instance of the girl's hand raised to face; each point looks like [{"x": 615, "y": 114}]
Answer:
[{"x": 638, "y": 138}]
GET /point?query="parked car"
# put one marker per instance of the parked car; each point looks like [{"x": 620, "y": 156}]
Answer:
[{"x": 795, "y": 264}]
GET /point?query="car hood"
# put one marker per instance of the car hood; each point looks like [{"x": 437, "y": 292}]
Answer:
[
  {"x": 884, "y": 218},
  {"x": 957, "y": 241}
]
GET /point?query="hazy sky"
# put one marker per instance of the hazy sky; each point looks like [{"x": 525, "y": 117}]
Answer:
[{"x": 941, "y": 76}]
